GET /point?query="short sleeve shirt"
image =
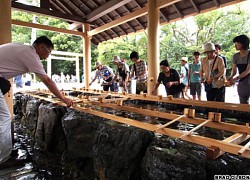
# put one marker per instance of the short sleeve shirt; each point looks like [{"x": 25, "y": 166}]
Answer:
[
  {"x": 100, "y": 73},
  {"x": 17, "y": 59},
  {"x": 184, "y": 71},
  {"x": 140, "y": 70},
  {"x": 174, "y": 76},
  {"x": 194, "y": 78},
  {"x": 241, "y": 62}
]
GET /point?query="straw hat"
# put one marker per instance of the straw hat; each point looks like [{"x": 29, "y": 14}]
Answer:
[
  {"x": 209, "y": 47},
  {"x": 116, "y": 59},
  {"x": 184, "y": 59}
]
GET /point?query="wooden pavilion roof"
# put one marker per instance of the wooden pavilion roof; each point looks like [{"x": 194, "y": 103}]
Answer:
[{"x": 114, "y": 18}]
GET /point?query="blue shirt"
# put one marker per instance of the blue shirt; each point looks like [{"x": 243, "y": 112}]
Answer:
[
  {"x": 194, "y": 78},
  {"x": 184, "y": 71}
]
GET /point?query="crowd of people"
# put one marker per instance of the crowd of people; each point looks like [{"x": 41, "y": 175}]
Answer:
[{"x": 209, "y": 71}]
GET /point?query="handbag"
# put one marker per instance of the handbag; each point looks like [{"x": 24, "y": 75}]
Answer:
[
  {"x": 4, "y": 85},
  {"x": 209, "y": 86},
  {"x": 141, "y": 86}
]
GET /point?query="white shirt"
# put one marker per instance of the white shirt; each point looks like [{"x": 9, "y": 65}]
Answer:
[{"x": 17, "y": 59}]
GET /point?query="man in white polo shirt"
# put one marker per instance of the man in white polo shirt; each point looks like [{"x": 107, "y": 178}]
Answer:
[{"x": 17, "y": 59}]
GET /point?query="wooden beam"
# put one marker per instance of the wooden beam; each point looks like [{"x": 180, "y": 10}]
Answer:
[
  {"x": 164, "y": 3},
  {"x": 222, "y": 126},
  {"x": 208, "y": 104},
  {"x": 47, "y": 28},
  {"x": 235, "y": 139},
  {"x": 47, "y": 12},
  {"x": 105, "y": 9}
]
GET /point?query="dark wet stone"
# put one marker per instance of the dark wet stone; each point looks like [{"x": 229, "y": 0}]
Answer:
[
  {"x": 170, "y": 158},
  {"x": 228, "y": 164},
  {"x": 49, "y": 131},
  {"x": 119, "y": 151},
  {"x": 30, "y": 114}
]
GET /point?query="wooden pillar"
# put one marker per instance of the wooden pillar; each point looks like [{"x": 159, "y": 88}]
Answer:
[
  {"x": 78, "y": 77},
  {"x": 153, "y": 44},
  {"x": 5, "y": 37},
  {"x": 87, "y": 56},
  {"x": 49, "y": 67}
]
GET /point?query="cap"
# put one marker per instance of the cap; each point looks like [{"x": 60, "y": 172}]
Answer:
[
  {"x": 184, "y": 59},
  {"x": 106, "y": 73},
  {"x": 209, "y": 47},
  {"x": 116, "y": 59}
]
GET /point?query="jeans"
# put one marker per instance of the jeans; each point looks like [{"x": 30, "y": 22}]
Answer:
[{"x": 5, "y": 130}]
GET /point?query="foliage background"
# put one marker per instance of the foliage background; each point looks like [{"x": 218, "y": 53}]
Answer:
[{"x": 177, "y": 39}]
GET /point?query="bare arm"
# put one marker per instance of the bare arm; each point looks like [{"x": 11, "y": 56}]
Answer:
[
  {"x": 233, "y": 72},
  {"x": 53, "y": 88},
  {"x": 242, "y": 75},
  {"x": 155, "y": 87}
]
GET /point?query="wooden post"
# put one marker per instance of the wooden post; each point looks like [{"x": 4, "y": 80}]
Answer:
[
  {"x": 87, "y": 55},
  {"x": 185, "y": 112},
  {"x": 5, "y": 37},
  {"x": 217, "y": 117},
  {"x": 153, "y": 44},
  {"x": 211, "y": 116},
  {"x": 191, "y": 113}
]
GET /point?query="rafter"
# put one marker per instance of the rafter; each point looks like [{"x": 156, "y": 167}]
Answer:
[
  {"x": 57, "y": 7},
  {"x": 217, "y": 3},
  {"x": 62, "y": 6},
  {"x": 177, "y": 10},
  {"x": 164, "y": 16},
  {"x": 119, "y": 21},
  {"x": 72, "y": 8},
  {"x": 136, "y": 18},
  {"x": 125, "y": 23},
  {"x": 100, "y": 19},
  {"x": 195, "y": 7},
  {"x": 97, "y": 5},
  {"x": 105, "y": 9}
]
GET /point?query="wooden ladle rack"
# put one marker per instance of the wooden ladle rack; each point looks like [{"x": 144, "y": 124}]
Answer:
[{"x": 215, "y": 147}]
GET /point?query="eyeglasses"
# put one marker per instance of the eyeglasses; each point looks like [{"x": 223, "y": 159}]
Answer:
[{"x": 47, "y": 50}]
